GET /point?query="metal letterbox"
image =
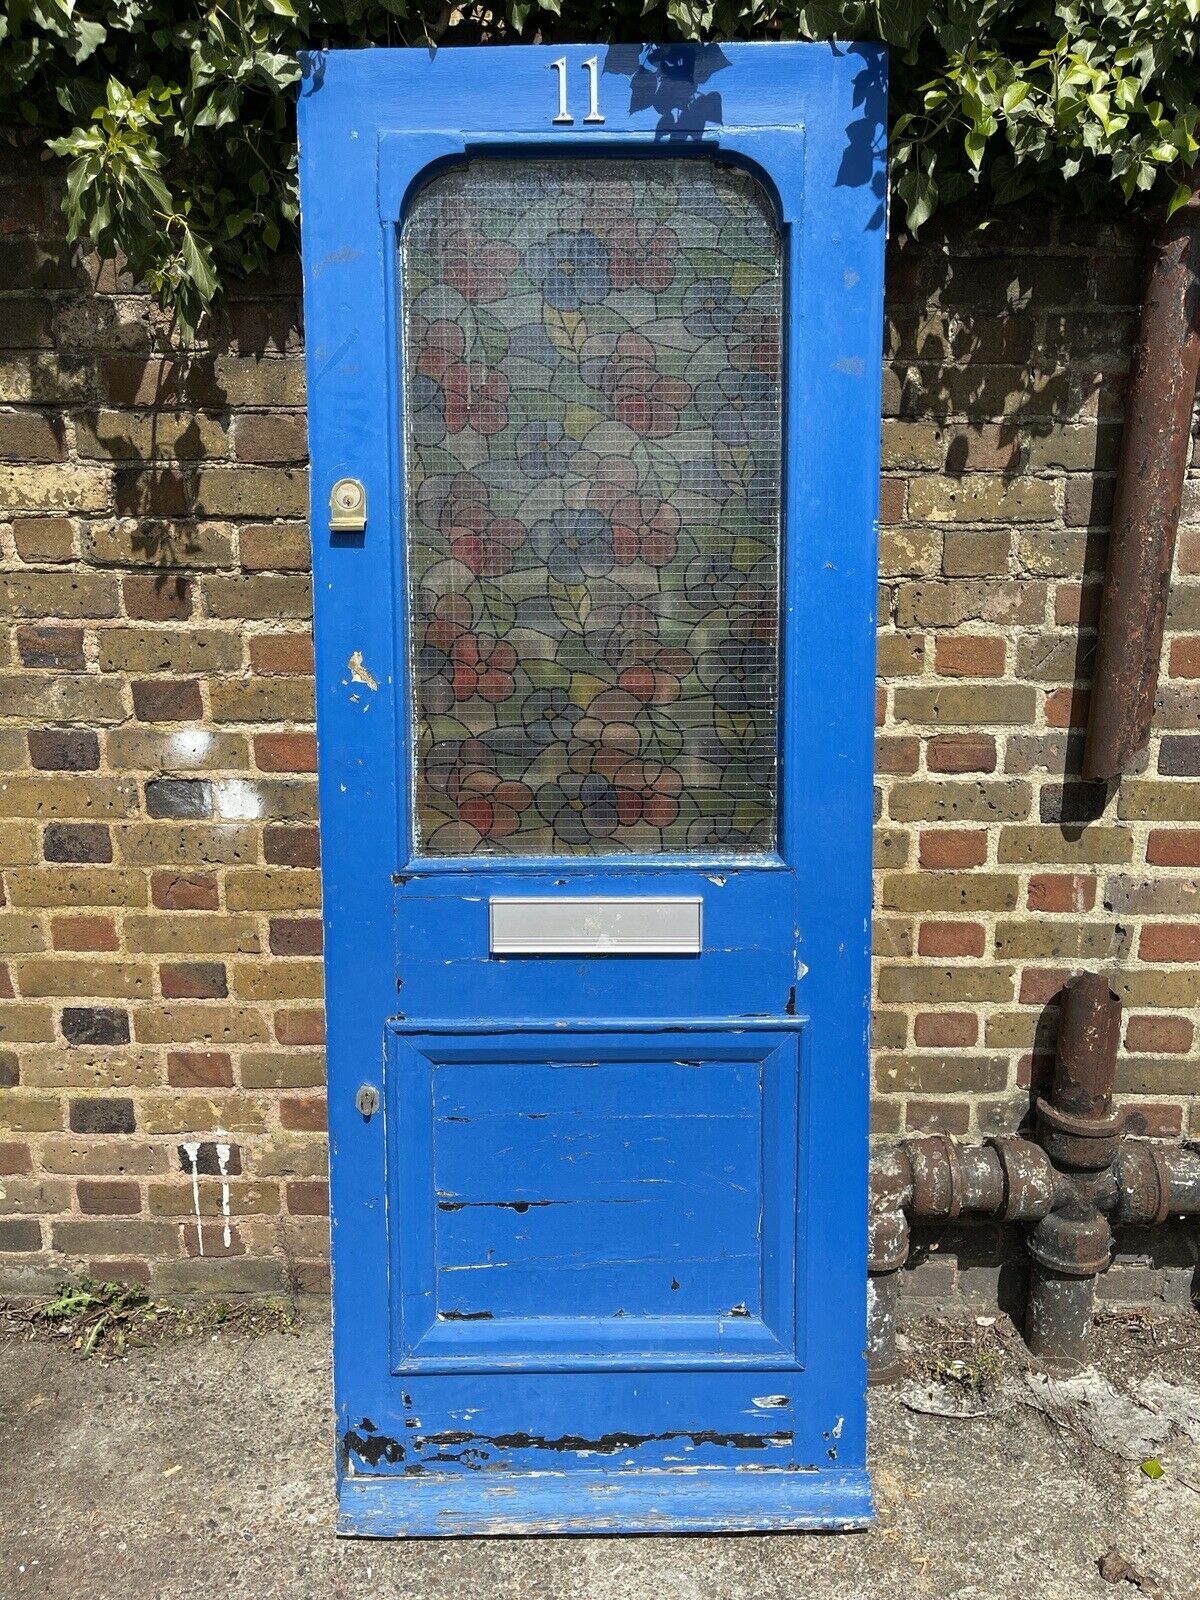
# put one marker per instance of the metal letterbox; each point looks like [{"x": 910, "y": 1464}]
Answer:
[{"x": 594, "y": 364}]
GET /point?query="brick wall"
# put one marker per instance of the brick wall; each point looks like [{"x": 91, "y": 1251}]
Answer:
[{"x": 159, "y": 931}]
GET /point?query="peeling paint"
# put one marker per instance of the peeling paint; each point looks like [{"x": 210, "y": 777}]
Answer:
[
  {"x": 360, "y": 672},
  {"x": 223, "y": 1152}
]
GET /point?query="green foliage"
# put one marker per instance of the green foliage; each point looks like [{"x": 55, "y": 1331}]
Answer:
[
  {"x": 107, "y": 1319},
  {"x": 177, "y": 118}
]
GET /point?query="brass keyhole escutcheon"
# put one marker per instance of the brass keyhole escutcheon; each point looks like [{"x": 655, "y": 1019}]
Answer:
[{"x": 347, "y": 506}]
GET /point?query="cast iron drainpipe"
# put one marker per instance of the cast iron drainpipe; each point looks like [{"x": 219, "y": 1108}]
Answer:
[
  {"x": 1066, "y": 1184},
  {"x": 1150, "y": 479}
]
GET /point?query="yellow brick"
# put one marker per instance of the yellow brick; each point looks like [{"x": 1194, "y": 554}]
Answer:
[
  {"x": 77, "y": 886},
  {"x": 77, "y": 1069},
  {"x": 240, "y": 1113},
  {"x": 83, "y": 795},
  {"x": 20, "y": 935},
  {"x": 53, "y": 488},
  {"x": 276, "y": 980},
  {"x": 30, "y": 1113},
  {"x": 191, "y": 933},
  {"x": 200, "y": 1022},
  {"x": 245, "y": 1198},
  {"x": 71, "y": 977},
  {"x": 274, "y": 889}
]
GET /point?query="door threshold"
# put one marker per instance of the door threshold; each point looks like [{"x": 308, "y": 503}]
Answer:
[{"x": 699, "y": 1500}]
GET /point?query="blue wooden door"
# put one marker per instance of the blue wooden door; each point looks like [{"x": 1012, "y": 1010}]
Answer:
[{"x": 594, "y": 393}]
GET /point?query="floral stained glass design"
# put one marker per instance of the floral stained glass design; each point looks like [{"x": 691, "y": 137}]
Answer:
[{"x": 592, "y": 403}]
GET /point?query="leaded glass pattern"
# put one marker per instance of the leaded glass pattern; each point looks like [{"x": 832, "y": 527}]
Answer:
[{"x": 593, "y": 436}]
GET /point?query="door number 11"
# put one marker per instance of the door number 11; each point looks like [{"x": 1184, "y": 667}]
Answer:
[{"x": 591, "y": 67}]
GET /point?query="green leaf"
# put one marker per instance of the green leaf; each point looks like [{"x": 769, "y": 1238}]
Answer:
[
  {"x": 198, "y": 264},
  {"x": 919, "y": 195},
  {"x": 1181, "y": 197},
  {"x": 1153, "y": 1468}
]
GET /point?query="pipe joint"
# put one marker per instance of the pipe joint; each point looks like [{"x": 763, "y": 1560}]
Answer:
[
  {"x": 1030, "y": 1181},
  {"x": 1074, "y": 1246},
  {"x": 1078, "y": 1143},
  {"x": 937, "y": 1182},
  {"x": 1144, "y": 1183}
]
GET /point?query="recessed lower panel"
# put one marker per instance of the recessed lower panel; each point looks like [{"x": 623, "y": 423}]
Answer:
[{"x": 605, "y": 1198}]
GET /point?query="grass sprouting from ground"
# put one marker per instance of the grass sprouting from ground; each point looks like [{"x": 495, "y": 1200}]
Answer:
[{"x": 108, "y": 1319}]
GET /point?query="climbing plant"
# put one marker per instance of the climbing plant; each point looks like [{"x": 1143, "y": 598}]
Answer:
[{"x": 177, "y": 118}]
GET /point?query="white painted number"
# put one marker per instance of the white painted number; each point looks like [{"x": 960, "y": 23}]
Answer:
[
  {"x": 560, "y": 66},
  {"x": 592, "y": 67}
]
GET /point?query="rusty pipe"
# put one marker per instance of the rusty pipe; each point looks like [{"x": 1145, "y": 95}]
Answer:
[
  {"x": 1080, "y": 1132},
  {"x": 1156, "y": 1181},
  {"x": 1150, "y": 479},
  {"x": 1065, "y": 1186}
]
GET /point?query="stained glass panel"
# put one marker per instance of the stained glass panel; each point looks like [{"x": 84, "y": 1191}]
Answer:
[{"x": 593, "y": 421}]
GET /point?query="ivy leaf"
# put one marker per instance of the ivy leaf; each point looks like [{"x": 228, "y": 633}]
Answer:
[
  {"x": 1180, "y": 198},
  {"x": 198, "y": 264}
]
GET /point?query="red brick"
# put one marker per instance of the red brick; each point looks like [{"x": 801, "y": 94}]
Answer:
[
  {"x": 287, "y": 846},
  {"x": 185, "y": 891},
  {"x": 308, "y": 1197},
  {"x": 949, "y": 939},
  {"x": 967, "y": 656},
  {"x": 1077, "y": 605},
  {"x": 1170, "y": 941},
  {"x": 281, "y": 654},
  {"x": 950, "y": 848},
  {"x": 1040, "y": 985},
  {"x": 303, "y": 1113},
  {"x": 64, "y": 749},
  {"x": 1146, "y": 1120},
  {"x": 1062, "y": 891},
  {"x": 961, "y": 752},
  {"x": 1067, "y": 708},
  {"x": 946, "y": 1029},
  {"x": 45, "y": 644},
  {"x": 300, "y": 1027},
  {"x": 1173, "y": 847},
  {"x": 167, "y": 700},
  {"x": 108, "y": 1197},
  {"x": 157, "y": 597},
  {"x": 1151, "y": 1035},
  {"x": 1185, "y": 657},
  {"x": 898, "y": 756},
  {"x": 193, "y": 980},
  {"x": 286, "y": 752},
  {"x": 199, "y": 1069},
  {"x": 15, "y": 1160},
  {"x": 296, "y": 936},
  {"x": 84, "y": 932},
  {"x": 893, "y": 492}
]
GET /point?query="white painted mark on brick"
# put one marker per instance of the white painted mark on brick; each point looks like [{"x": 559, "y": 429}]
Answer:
[
  {"x": 239, "y": 801},
  {"x": 189, "y": 746},
  {"x": 223, "y": 1153},
  {"x": 191, "y": 1149}
]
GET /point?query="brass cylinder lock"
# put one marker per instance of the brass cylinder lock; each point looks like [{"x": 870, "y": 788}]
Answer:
[{"x": 347, "y": 506}]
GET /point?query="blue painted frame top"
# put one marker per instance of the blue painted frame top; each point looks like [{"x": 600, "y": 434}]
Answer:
[{"x": 808, "y": 121}]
